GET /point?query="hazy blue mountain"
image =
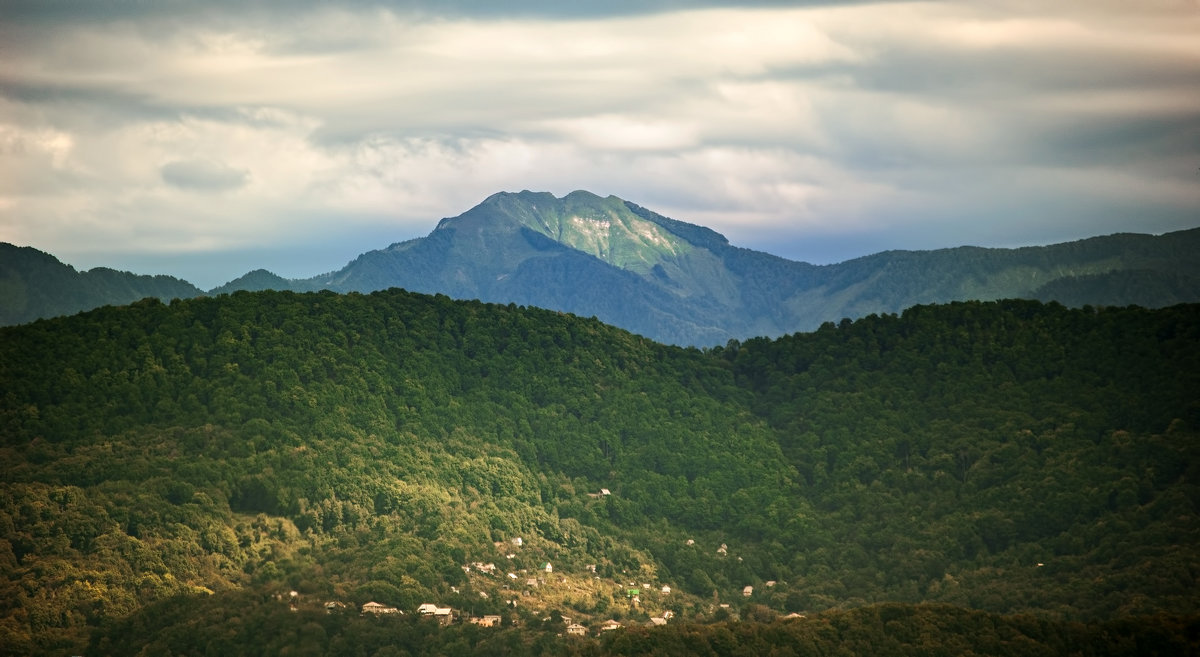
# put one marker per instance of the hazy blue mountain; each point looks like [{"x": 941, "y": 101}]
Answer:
[
  {"x": 261, "y": 279},
  {"x": 685, "y": 284},
  {"x": 34, "y": 284}
]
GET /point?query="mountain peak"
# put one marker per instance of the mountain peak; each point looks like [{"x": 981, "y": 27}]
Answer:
[{"x": 607, "y": 228}]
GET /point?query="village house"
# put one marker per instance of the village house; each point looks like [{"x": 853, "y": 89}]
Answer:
[
  {"x": 334, "y": 606},
  {"x": 489, "y": 620},
  {"x": 378, "y": 609},
  {"x": 546, "y": 567},
  {"x": 575, "y": 629},
  {"x": 656, "y": 621},
  {"x": 444, "y": 615},
  {"x": 610, "y": 625},
  {"x": 748, "y": 591},
  {"x": 666, "y": 590}
]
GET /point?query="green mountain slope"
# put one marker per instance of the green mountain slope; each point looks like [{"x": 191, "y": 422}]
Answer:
[
  {"x": 367, "y": 447},
  {"x": 34, "y": 284}
]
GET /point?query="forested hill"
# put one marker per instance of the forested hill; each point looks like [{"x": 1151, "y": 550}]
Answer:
[
  {"x": 1008, "y": 457},
  {"x": 34, "y": 284}
]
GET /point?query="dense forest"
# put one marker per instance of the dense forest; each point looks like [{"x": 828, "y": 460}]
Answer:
[{"x": 180, "y": 466}]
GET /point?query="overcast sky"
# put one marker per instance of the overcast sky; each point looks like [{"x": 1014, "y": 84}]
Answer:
[{"x": 206, "y": 139}]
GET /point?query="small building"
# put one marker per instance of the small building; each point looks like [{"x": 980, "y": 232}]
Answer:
[
  {"x": 610, "y": 625},
  {"x": 378, "y": 609},
  {"x": 666, "y": 590},
  {"x": 658, "y": 620},
  {"x": 605, "y": 491},
  {"x": 575, "y": 629},
  {"x": 546, "y": 567},
  {"x": 427, "y": 609},
  {"x": 770, "y": 583},
  {"x": 748, "y": 591},
  {"x": 489, "y": 620},
  {"x": 444, "y": 615},
  {"x": 335, "y": 607},
  {"x": 518, "y": 541},
  {"x": 724, "y": 549}
]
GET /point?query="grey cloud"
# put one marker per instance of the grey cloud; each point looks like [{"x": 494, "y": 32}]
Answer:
[
  {"x": 203, "y": 175},
  {"x": 911, "y": 141}
]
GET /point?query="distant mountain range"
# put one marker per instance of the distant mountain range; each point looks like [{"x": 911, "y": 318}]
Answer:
[{"x": 668, "y": 280}]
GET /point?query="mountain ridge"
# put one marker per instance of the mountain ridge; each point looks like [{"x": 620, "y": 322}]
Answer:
[
  {"x": 35, "y": 285},
  {"x": 685, "y": 284}
]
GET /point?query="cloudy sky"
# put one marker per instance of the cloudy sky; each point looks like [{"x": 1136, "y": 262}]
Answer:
[{"x": 204, "y": 139}]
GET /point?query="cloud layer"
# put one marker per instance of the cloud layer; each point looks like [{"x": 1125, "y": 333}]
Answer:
[{"x": 816, "y": 132}]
